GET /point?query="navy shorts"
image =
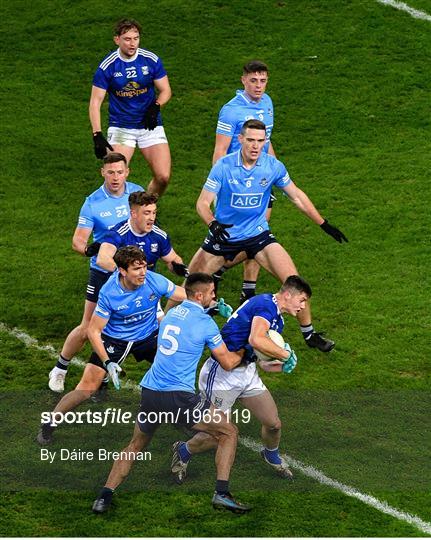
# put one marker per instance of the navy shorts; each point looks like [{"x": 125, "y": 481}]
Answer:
[
  {"x": 96, "y": 280},
  {"x": 175, "y": 407},
  {"x": 229, "y": 250},
  {"x": 118, "y": 349}
]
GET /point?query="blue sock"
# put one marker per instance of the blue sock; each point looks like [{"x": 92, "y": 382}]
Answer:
[
  {"x": 273, "y": 456},
  {"x": 183, "y": 450}
]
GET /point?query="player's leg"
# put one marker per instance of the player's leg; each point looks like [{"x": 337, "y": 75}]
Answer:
[
  {"x": 263, "y": 407},
  {"x": 158, "y": 158},
  {"x": 127, "y": 151},
  {"x": 121, "y": 468},
  {"x": 123, "y": 141},
  {"x": 275, "y": 259}
]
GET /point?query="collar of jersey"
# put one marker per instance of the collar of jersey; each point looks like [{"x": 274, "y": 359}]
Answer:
[
  {"x": 239, "y": 162},
  {"x": 129, "y": 59},
  {"x": 246, "y": 99},
  {"x": 129, "y": 223},
  {"x": 193, "y": 304},
  {"x": 108, "y": 194}
]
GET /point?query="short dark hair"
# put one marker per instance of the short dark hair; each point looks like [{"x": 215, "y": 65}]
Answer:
[
  {"x": 124, "y": 25},
  {"x": 296, "y": 284},
  {"x": 114, "y": 157},
  {"x": 255, "y": 66},
  {"x": 142, "y": 198},
  {"x": 195, "y": 281},
  {"x": 127, "y": 255},
  {"x": 252, "y": 124}
]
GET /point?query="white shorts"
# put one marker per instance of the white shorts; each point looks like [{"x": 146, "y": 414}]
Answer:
[
  {"x": 223, "y": 387},
  {"x": 143, "y": 138}
]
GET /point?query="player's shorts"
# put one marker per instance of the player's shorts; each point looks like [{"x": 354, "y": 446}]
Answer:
[
  {"x": 119, "y": 349},
  {"x": 96, "y": 281},
  {"x": 175, "y": 407},
  {"x": 229, "y": 250},
  {"x": 142, "y": 138},
  {"x": 223, "y": 387}
]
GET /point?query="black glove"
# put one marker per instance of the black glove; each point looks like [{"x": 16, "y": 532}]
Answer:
[
  {"x": 180, "y": 269},
  {"x": 92, "y": 249},
  {"x": 249, "y": 354},
  {"x": 333, "y": 231},
  {"x": 151, "y": 116},
  {"x": 218, "y": 231},
  {"x": 101, "y": 145}
]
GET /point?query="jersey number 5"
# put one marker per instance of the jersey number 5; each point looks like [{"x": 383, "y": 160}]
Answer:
[{"x": 173, "y": 342}]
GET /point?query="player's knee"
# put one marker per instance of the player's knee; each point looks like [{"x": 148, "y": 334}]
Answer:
[
  {"x": 274, "y": 425},
  {"x": 162, "y": 178}
]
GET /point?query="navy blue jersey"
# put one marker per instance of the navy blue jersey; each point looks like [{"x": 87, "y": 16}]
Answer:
[
  {"x": 130, "y": 85},
  {"x": 184, "y": 332},
  {"x": 155, "y": 244},
  {"x": 240, "y": 109},
  {"x": 237, "y": 329},
  {"x": 102, "y": 210}
]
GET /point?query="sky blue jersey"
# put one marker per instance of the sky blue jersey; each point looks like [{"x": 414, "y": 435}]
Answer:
[
  {"x": 237, "y": 329},
  {"x": 130, "y": 86},
  {"x": 184, "y": 333},
  {"x": 132, "y": 315},
  {"x": 154, "y": 244},
  {"x": 243, "y": 194},
  {"x": 240, "y": 109},
  {"x": 102, "y": 210}
]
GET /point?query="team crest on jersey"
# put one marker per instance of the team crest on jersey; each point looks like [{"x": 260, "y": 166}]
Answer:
[
  {"x": 218, "y": 402},
  {"x": 270, "y": 112},
  {"x": 154, "y": 248},
  {"x": 264, "y": 182},
  {"x": 144, "y": 70},
  {"x": 152, "y": 297}
]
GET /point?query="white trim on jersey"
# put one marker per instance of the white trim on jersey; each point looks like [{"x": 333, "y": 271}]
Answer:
[
  {"x": 148, "y": 54},
  {"x": 224, "y": 126},
  {"x": 111, "y": 58},
  {"x": 211, "y": 183},
  {"x": 124, "y": 229},
  {"x": 160, "y": 232}
]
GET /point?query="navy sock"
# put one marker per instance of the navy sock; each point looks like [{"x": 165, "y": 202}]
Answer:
[
  {"x": 248, "y": 288},
  {"x": 62, "y": 363},
  {"x": 106, "y": 494},
  {"x": 222, "y": 487},
  {"x": 307, "y": 330}
]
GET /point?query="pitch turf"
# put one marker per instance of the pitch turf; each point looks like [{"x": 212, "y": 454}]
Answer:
[{"x": 350, "y": 85}]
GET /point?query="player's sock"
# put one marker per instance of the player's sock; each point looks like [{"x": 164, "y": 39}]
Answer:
[
  {"x": 248, "y": 289},
  {"x": 222, "y": 487},
  {"x": 273, "y": 456},
  {"x": 106, "y": 494},
  {"x": 62, "y": 363},
  {"x": 307, "y": 330},
  {"x": 218, "y": 276},
  {"x": 184, "y": 452}
]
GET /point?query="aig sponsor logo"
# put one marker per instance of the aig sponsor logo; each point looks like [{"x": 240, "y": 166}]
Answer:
[{"x": 246, "y": 200}]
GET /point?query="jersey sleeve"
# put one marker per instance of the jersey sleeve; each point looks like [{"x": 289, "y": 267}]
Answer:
[
  {"x": 165, "y": 246},
  {"x": 213, "y": 337},
  {"x": 101, "y": 79},
  {"x": 213, "y": 182},
  {"x": 282, "y": 176},
  {"x": 103, "y": 308},
  {"x": 85, "y": 219},
  {"x": 264, "y": 312},
  {"x": 112, "y": 237},
  {"x": 161, "y": 285},
  {"x": 226, "y": 122},
  {"x": 159, "y": 71}
]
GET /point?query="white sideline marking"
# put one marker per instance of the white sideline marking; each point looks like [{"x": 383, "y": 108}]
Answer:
[
  {"x": 404, "y": 7},
  {"x": 307, "y": 470}
]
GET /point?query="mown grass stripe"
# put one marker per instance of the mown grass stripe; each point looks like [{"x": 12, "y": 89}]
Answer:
[{"x": 253, "y": 445}]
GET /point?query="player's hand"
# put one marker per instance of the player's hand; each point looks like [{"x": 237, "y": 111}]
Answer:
[
  {"x": 333, "y": 231},
  {"x": 290, "y": 364},
  {"x": 249, "y": 354},
  {"x": 225, "y": 310},
  {"x": 180, "y": 269},
  {"x": 218, "y": 231},
  {"x": 92, "y": 249},
  {"x": 101, "y": 145},
  {"x": 151, "y": 116},
  {"x": 114, "y": 369}
]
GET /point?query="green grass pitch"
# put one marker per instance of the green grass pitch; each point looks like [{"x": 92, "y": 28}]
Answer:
[{"x": 350, "y": 85}]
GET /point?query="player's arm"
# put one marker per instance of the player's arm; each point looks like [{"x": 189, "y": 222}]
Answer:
[
  {"x": 227, "y": 359},
  {"x": 96, "y": 100},
  {"x": 164, "y": 90},
  {"x": 203, "y": 206},
  {"x": 222, "y": 143},
  {"x": 94, "y": 333},
  {"x": 259, "y": 340},
  {"x": 179, "y": 294},
  {"x": 271, "y": 151},
  {"x": 175, "y": 264},
  {"x": 105, "y": 257},
  {"x": 80, "y": 239},
  {"x": 303, "y": 203}
]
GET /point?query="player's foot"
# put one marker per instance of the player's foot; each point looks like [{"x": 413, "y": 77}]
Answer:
[
  {"x": 44, "y": 437},
  {"x": 101, "y": 505},
  {"x": 317, "y": 341},
  {"x": 281, "y": 469},
  {"x": 178, "y": 467},
  {"x": 227, "y": 502},
  {"x": 101, "y": 394},
  {"x": 56, "y": 379}
]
